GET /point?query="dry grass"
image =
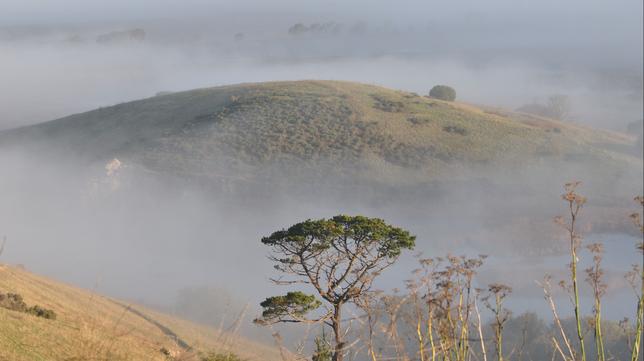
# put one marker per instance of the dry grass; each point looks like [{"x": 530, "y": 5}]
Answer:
[{"x": 93, "y": 327}]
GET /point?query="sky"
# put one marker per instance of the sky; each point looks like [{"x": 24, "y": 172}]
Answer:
[{"x": 29, "y": 11}]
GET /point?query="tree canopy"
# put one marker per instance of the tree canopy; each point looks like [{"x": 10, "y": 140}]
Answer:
[
  {"x": 339, "y": 257},
  {"x": 443, "y": 92}
]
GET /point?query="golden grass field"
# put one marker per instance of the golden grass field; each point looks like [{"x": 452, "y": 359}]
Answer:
[{"x": 94, "y": 327}]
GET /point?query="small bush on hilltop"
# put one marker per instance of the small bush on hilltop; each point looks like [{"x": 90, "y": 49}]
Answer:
[{"x": 443, "y": 92}]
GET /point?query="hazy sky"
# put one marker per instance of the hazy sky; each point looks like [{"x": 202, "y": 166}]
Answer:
[{"x": 38, "y": 11}]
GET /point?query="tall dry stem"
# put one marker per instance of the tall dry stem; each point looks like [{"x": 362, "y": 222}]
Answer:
[
  {"x": 637, "y": 219},
  {"x": 547, "y": 290},
  {"x": 498, "y": 292},
  {"x": 368, "y": 303},
  {"x": 480, "y": 329},
  {"x": 575, "y": 204},
  {"x": 594, "y": 278}
]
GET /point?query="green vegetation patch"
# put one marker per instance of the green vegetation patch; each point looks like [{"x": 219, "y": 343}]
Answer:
[{"x": 387, "y": 105}]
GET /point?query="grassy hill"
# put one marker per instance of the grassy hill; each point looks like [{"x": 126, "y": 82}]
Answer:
[
  {"x": 321, "y": 127},
  {"x": 92, "y": 327}
]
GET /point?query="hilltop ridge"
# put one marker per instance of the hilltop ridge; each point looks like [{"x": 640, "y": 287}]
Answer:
[{"x": 316, "y": 127}]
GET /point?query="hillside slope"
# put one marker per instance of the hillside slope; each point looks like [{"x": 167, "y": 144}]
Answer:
[
  {"x": 322, "y": 127},
  {"x": 92, "y": 327}
]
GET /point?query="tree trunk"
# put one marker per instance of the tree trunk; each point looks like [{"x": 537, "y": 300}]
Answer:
[{"x": 338, "y": 352}]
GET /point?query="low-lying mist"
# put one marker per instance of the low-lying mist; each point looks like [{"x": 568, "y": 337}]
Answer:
[{"x": 134, "y": 235}]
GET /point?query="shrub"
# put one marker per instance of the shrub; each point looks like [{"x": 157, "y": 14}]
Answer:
[
  {"x": 443, "y": 92},
  {"x": 14, "y": 302},
  {"x": 557, "y": 107},
  {"x": 214, "y": 356},
  {"x": 323, "y": 351},
  {"x": 297, "y": 29},
  {"x": 42, "y": 312},
  {"x": 418, "y": 121},
  {"x": 455, "y": 129},
  {"x": 535, "y": 109},
  {"x": 387, "y": 105}
]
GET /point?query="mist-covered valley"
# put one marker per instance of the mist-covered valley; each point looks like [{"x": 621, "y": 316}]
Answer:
[{"x": 145, "y": 151}]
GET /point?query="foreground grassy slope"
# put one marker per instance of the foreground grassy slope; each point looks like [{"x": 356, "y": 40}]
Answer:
[
  {"x": 322, "y": 126},
  {"x": 92, "y": 327}
]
